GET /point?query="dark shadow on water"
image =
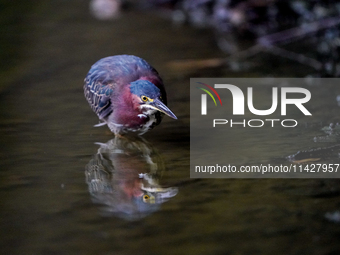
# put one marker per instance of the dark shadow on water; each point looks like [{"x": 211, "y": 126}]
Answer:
[{"x": 123, "y": 176}]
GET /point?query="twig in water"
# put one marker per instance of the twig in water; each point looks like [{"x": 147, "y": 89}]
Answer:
[{"x": 300, "y": 58}]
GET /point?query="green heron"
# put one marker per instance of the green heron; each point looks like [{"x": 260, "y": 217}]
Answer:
[{"x": 127, "y": 94}]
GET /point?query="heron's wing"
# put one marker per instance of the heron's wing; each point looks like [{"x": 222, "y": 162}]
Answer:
[{"x": 98, "y": 94}]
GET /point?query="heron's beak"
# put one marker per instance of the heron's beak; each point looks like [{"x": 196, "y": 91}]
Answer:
[{"x": 159, "y": 106}]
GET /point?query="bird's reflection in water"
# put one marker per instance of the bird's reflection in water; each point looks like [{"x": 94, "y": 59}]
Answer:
[{"x": 123, "y": 176}]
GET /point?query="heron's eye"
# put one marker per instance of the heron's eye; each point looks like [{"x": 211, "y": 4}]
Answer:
[
  {"x": 146, "y": 197},
  {"x": 144, "y": 98}
]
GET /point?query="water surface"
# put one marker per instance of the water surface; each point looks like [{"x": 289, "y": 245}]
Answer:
[{"x": 48, "y": 139}]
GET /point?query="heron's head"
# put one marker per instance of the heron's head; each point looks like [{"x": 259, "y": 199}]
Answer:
[{"x": 149, "y": 97}]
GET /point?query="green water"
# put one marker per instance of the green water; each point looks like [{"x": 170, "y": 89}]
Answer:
[{"x": 48, "y": 139}]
